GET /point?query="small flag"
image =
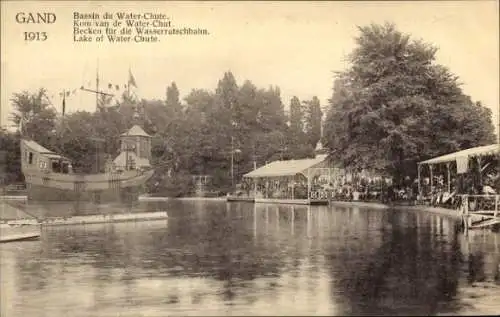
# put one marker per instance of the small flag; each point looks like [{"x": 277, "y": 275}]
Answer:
[
  {"x": 131, "y": 79},
  {"x": 462, "y": 164},
  {"x": 117, "y": 87},
  {"x": 67, "y": 93}
]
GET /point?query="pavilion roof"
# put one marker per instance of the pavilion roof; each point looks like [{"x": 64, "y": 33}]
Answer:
[
  {"x": 286, "y": 168},
  {"x": 485, "y": 150}
]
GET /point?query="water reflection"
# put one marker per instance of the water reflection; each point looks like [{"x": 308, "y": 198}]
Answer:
[{"x": 215, "y": 258}]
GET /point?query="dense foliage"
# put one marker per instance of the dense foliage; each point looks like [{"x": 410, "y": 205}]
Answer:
[
  {"x": 394, "y": 106},
  {"x": 193, "y": 136}
]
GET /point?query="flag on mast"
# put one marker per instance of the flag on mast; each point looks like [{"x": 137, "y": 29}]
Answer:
[{"x": 131, "y": 79}]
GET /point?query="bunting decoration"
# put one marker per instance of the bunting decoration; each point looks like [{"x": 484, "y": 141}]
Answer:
[{"x": 66, "y": 93}]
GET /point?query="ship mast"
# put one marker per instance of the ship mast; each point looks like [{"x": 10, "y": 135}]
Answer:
[{"x": 97, "y": 94}]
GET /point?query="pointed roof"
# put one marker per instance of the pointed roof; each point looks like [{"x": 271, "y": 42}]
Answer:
[
  {"x": 33, "y": 146},
  {"x": 286, "y": 168},
  {"x": 136, "y": 131},
  {"x": 319, "y": 146},
  {"x": 36, "y": 147}
]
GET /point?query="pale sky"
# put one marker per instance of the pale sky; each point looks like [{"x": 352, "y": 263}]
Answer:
[{"x": 294, "y": 45}]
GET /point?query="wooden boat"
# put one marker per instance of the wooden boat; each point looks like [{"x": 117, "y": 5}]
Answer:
[{"x": 49, "y": 176}]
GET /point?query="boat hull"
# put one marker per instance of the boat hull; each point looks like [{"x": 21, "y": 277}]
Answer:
[{"x": 98, "y": 188}]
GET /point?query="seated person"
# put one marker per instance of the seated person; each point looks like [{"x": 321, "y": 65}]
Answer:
[{"x": 488, "y": 190}]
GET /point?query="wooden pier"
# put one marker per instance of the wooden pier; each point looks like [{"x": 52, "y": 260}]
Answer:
[
  {"x": 233, "y": 198},
  {"x": 92, "y": 219},
  {"x": 480, "y": 211},
  {"x": 20, "y": 237}
]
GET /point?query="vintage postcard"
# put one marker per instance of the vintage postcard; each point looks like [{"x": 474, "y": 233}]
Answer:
[{"x": 172, "y": 158}]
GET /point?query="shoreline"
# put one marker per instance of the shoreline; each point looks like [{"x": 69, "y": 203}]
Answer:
[{"x": 415, "y": 208}]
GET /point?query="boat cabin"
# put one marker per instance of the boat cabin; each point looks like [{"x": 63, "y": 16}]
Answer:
[
  {"x": 135, "y": 150},
  {"x": 36, "y": 157}
]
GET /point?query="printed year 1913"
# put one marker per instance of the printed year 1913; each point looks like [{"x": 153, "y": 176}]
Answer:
[{"x": 35, "y": 36}]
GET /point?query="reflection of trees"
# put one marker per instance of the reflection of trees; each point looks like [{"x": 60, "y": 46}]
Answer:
[
  {"x": 218, "y": 246},
  {"x": 409, "y": 272}
]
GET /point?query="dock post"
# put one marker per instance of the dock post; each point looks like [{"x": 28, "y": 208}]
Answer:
[
  {"x": 465, "y": 217},
  {"x": 419, "y": 167},
  {"x": 309, "y": 185},
  {"x": 254, "y": 188},
  {"x": 432, "y": 178},
  {"x": 449, "y": 177},
  {"x": 496, "y": 206}
]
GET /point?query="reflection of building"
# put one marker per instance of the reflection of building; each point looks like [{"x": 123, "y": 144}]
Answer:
[
  {"x": 135, "y": 149},
  {"x": 202, "y": 184}
]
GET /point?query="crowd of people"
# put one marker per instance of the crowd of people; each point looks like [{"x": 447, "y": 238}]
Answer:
[{"x": 407, "y": 191}]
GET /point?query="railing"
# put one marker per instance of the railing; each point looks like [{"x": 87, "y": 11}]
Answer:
[
  {"x": 13, "y": 190},
  {"x": 479, "y": 204}
]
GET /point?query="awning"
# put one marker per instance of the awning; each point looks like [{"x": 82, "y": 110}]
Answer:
[
  {"x": 472, "y": 152},
  {"x": 286, "y": 168},
  {"x": 56, "y": 157}
]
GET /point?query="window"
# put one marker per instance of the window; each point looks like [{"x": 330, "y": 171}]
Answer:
[
  {"x": 30, "y": 158},
  {"x": 56, "y": 167},
  {"x": 65, "y": 168}
]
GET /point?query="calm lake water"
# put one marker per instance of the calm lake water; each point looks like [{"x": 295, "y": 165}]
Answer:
[{"x": 215, "y": 258}]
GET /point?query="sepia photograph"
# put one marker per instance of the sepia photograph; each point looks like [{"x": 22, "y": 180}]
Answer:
[{"x": 195, "y": 158}]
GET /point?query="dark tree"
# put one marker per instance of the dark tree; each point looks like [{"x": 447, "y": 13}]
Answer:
[{"x": 395, "y": 106}]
